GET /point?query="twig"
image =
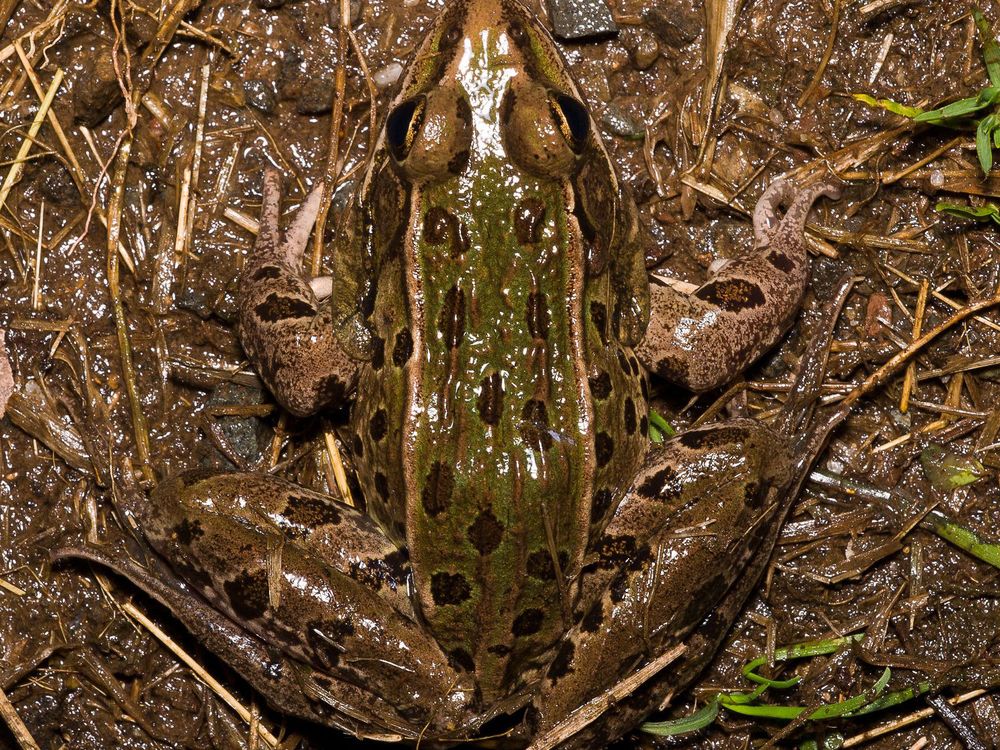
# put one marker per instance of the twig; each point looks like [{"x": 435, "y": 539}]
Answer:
[
  {"x": 818, "y": 75},
  {"x": 139, "y": 429},
  {"x": 911, "y": 370},
  {"x": 17, "y": 727}
]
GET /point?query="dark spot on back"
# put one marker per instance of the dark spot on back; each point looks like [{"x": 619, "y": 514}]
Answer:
[
  {"x": 403, "y": 349},
  {"x": 618, "y": 590},
  {"x": 600, "y": 385},
  {"x": 538, "y": 315},
  {"x": 631, "y": 422},
  {"x": 461, "y": 659},
  {"x": 562, "y": 664},
  {"x": 500, "y": 649},
  {"x": 485, "y": 533},
  {"x": 382, "y": 485},
  {"x": 378, "y": 425},
  {"x": 266, "y": 273},
  {"x": 438, "y": 223},
  {"x": 732, "y": 295},
  {"x": 600, "y": 505},
  {"x": 644, "y": 424},
  {"x": 247, "y": 594},
  {"x": 593, "y": 619},
  {"x": 780, "y": 261},
  {"x": 604, "y": 448},
  {"x": 534, "y": 428},
  {"x": 718, "y": 436},
  {"x": 490, "y": 401},
  {"x": 528, "y": 622},
  {"x": 599, "y": 317},
  {"x": 440, "y": 483},
  {"x": 451, "y": 323},
  {"x": 378, "y": 353},
  {"x": 357, "y": 446},
  {"x": 281, "y": 307},
  {"x": 449, "y": 588},
  {"x": 529, "y": 218}
]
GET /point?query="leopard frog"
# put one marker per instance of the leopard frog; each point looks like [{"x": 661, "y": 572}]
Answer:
[{"x": 491, "y": 317}]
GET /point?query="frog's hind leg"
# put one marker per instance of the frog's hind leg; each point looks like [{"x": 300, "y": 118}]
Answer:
[
  {"x": 703, "y": 339},
  {"x": 314, "y": 578},
  {"x": 287, "y": 331},
  {"x": 687, "y": 535}
]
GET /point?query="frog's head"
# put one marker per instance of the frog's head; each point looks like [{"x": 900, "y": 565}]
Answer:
[{"x": 488, "y": 83}]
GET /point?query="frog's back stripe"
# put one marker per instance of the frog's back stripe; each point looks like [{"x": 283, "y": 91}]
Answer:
[{"x": 698, "y": 340}]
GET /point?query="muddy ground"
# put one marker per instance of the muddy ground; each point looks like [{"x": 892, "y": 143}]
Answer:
[{"x": 698, "y": 122}]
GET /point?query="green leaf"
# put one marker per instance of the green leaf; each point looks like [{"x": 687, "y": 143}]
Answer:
[
  {"x": 973, "y": 213},
  {"x": 659, "y": 428},
  {"x": 955, "y": 110},
  {"x": 828, "y": 711},
  {"x": 984, "y": 142},
  {"x": 991, "y": 50},
  {"x": 698, "y": 720},
  {"x": 888, "y": 104},
  {"x": 948, "y": 470}
]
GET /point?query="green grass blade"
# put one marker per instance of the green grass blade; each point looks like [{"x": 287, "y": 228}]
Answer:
[
  {"x": 991, "y": 50},
  {"x": 889, "y": 105},
  {"x": 984, "y": 142},
  {"x": 698, "y": 720}
]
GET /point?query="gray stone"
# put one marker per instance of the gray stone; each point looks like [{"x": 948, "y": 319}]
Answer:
[{"x": 580, "y": 19}]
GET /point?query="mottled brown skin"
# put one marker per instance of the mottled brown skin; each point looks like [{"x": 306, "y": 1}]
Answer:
[{"x": 520, "y": 547}]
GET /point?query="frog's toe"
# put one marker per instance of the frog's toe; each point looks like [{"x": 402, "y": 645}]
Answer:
[{"x": 297, "y": 236}]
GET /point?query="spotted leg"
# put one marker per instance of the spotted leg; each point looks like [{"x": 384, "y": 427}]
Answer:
[
  {"x": 289, "y": 335},
  {"x": 701, "y": 513},
  {"x": 313, "y": 578},
  {"x": 703, "y": 339}
]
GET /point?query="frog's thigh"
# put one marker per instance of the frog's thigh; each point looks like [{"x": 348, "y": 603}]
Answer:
[
  {"x": 703, "y": 339},
  {"x": 310, "y": 576},
  {"x": 675, "y": 546},
  {"x": 289, "y": 335}
]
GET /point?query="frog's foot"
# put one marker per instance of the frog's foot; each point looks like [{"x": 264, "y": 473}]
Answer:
[
  {"x": 703, "y": 339},
  {"x": 685, "y": 544},
  {"x": 767, "y": 219},
  {"x": 289, "y": 335}
]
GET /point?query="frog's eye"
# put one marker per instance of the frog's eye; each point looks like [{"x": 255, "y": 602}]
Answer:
[
  {"x": 572, "y": 118},
  {"x": 403, "y": 125}
]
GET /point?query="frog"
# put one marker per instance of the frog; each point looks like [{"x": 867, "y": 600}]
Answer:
[{"x": 520, "y": 550}]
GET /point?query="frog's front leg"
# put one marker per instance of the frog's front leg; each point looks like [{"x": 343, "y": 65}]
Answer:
[
  {"x": 288, "y": 333},
  {"x": 699, "y": 518},
  {"x": 317, "y": 581},
  {"x": 703, "y": 339}
]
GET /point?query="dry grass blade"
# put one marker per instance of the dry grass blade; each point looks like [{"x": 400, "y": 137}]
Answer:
[
  {"x": 6, "y": 374},
  {"x": 15, "y": 171},
  {"x": 30, "y": 410}
]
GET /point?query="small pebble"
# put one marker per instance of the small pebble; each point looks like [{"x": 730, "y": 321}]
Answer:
[
  {"x": 580, "y": 19},
  {"x": 621, "y": 123},
  {"x": 675, "y": 29},
  {"x": 316, "y": 97},
  {"x": 260, "y": 95},
  {"x": 643, "y": 48},
  {"x": 387, "y": 76}
]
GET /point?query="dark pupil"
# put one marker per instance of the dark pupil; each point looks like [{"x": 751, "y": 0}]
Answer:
[
  {"x": 397, "y": 128},
  {"x": 576, "y": 117}
]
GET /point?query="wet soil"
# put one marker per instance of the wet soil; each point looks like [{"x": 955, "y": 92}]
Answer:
[{"x": 698, "y": 125}]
